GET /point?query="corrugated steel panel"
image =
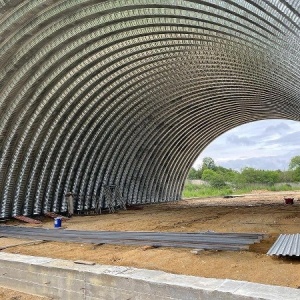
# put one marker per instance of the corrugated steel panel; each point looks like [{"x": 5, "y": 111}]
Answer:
[
  {"x": 132, "y": 97},
  {"x": 207, "y": 241},
  {"x": 286, "y": 245}
]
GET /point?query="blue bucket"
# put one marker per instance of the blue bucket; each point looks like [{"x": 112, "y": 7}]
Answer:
[{"x": 57, "y": 222}]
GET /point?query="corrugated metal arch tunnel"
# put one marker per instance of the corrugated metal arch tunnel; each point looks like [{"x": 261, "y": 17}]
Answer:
[{"x": 129, "y": 92}]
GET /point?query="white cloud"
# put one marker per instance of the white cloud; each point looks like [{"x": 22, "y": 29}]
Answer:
[
  {"x": 267, "y": 144},
  {"x": 239, "y": 140}
]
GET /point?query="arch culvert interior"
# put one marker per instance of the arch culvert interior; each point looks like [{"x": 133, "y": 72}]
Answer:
[{"x": 94, "y": 93}]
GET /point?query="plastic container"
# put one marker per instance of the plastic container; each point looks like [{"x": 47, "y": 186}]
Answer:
[
  {"x": 57, "y": 222},
  {"x": 289, "y": 200}
]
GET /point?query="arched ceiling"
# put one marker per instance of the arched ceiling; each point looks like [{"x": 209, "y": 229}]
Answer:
[{"x": 129, "y": 92}]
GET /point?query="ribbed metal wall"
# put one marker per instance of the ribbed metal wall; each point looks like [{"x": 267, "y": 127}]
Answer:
[{"x": 129, "y": 92}]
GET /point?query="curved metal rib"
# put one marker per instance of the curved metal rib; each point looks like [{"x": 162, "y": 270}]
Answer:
[{"x": 94, "y": 93}]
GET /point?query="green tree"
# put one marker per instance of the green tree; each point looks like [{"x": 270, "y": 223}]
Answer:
[
  {"x": 251, "y": 175},
  {"x": 213, "y": 178},
  {"x": 208, "y": 163},
  {"x": 294, "y": 166},
  {"x": 194, "y": 174},
  {"x": 286, "y": 176},
  {"x": 228, "y": 175},
  {"x": 297, "y": 174},
  {"x": 294, "y": 163}
]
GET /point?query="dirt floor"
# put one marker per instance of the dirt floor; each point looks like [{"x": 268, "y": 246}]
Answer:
[
  {"x": 7, "y": 294},
  {"x": 259, "y": 212}
]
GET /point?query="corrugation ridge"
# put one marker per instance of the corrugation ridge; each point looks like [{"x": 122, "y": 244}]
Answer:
[
  {"x": 286, "y": 245},
  {"x": 97, "y": 92}
]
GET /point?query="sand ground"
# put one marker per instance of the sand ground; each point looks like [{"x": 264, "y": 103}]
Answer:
[
  {"x": 259, "y": 212},
  {"x": 7, "y": 294}
]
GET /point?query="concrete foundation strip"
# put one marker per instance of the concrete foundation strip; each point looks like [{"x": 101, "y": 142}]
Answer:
[{"x": 61, "y": 279}]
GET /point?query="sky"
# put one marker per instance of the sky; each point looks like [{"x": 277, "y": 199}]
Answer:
[{"x": 268, "y": 145}]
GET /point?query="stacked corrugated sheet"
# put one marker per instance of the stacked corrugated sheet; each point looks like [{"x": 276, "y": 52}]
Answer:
[
  {"x": 200, "y": 240},
  {"x": 286, "y": 245}
]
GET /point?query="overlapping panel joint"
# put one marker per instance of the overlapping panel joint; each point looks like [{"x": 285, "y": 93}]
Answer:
[{"x": 128, "y": 93}]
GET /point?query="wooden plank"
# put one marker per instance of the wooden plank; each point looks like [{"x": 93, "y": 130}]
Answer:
[
  {"x": 84, "y": 262},
  {"x": 54, "y": 215},
  {"x": 27, "y": 220}
]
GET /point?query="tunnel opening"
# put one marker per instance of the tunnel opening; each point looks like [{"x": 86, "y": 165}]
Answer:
[{"x": 261, "y": 155}]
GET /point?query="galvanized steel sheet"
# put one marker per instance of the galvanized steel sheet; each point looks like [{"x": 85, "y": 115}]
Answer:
[
  {"x": 286, "y": 245},
  {"x": 128, "y": 93},
  {"x": 206, "y": 240}
]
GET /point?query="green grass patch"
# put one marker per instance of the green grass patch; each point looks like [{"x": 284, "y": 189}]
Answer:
[
  {"x": 195, "y": 190},
  {"x": 201, "y": 191}
]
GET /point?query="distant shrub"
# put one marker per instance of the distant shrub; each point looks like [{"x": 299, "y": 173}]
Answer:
[{"x": 215, "y": 179}]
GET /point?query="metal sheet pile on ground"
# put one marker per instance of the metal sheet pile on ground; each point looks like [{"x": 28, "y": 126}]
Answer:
[
  {"x": 286, "y": 245},
  {"x": 203, "y": 240}
]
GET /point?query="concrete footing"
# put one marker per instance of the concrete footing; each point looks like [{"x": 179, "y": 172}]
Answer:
[{"x": 62, "y": 279}]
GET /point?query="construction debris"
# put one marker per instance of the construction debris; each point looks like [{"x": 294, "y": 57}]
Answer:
[
  {"x": 233, "y": 196},
  {"x": 114, "y": 198},
  {"x": 149, "y": 247},
  {"x": 53, "y": 215},
  {"x": 27, "y": 220},
  {"x": 196, "y": 251},
  {"x": 84, "y": 262},
  {"x": 288, "y": 200},
  {"x": 286, "y": 245},
  {"x": 134, "y": 207}
]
